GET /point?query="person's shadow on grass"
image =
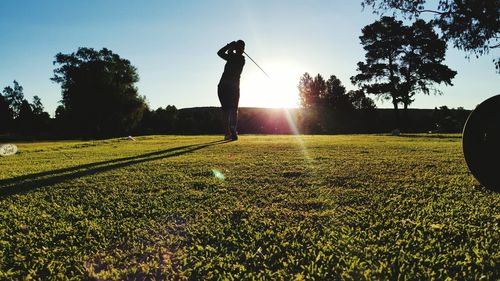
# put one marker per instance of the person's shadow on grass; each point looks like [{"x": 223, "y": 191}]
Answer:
[{"x": 25, "y": 183}]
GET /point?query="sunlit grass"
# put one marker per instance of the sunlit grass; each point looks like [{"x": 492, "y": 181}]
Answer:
[{"x": 356, "y": 207}]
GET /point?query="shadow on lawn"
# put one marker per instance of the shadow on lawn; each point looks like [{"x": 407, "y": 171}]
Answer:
[{"x": 29, "y": 182}]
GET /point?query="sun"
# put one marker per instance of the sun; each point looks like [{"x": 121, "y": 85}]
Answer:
[{"x": 278, "y": 91}]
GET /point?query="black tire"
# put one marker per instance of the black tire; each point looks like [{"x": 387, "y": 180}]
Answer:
[{"x": 481, "y": 143}]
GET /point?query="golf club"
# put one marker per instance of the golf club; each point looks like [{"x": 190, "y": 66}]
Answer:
[{"x": 257, "y": 65}]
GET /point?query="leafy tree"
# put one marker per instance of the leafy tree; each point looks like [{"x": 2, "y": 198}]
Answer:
[
  {"x": 383, "y": 42},
  {"x": 401, "y": 61},
  {"x": 41, "y": 119},
  {"x": 422, "y": 62},
  {"x": 61, "y": 121},
  {"x": 330, "y": 94},
  {"x": 306, "y": 95},
  {"x": 327, "y": 108},
  {"x": 6, "y": 115},
  {"x": 61, "y": 112},
  {"x": 359, "y": 100},
  {"x": 14, "y": 97},
  {"x": 37, "y": 106},
  {"x": 25, "y": 120},
  {"x": 318, "y": 90},
  {"x": 98, "y": 92},
  {"x": 312, "y": 91},
  {"x": 470, "y": 25},
  {"x": 335, "y": 96},
  {"x": 17, "y": 114}
]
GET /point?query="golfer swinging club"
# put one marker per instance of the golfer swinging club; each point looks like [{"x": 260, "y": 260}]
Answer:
[{"x": 229, "y": 86}]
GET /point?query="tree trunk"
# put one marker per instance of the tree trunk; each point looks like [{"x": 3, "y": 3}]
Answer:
[
  {"x": 396, "y": 115},
  {"x": 405, "y": 120}
]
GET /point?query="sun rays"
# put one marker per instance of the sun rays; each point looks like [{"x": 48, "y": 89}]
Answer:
[{"x": 278, "y": 91}]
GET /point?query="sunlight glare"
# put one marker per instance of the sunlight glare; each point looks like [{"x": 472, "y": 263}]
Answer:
[
  {"x": 218, "y": 174},
  {"x": 278, "y": 91}
]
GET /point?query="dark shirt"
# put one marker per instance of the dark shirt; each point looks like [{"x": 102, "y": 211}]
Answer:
[{"x": 233, "y": 68}]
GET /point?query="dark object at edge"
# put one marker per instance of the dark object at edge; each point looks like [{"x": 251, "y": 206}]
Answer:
[{"x": 481, "y": 143}]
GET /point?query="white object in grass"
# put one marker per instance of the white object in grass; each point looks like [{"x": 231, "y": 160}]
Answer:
[{"x": 8, "y": 149}]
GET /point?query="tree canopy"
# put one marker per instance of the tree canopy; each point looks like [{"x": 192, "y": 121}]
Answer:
[
  {"x": 6, "y": 115},
  {"x": 14, "y": 96},
  {"x": 98, "y": 92},
  {"x": 401, "y": 61},
  {"x": 17, "y": 115},
  {"x": 330, "y": 94},
  {"x": 470, "y": 25},
  {"x": 37, "y": 105}
]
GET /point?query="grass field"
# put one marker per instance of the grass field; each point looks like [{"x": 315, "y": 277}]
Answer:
[{"x": 264, "y": 207}]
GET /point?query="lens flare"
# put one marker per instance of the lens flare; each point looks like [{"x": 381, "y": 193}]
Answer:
[
  {"x": 293, "y": 127},
  {"x": 279, "y": 91},
  {"x": 218, "y": 174}
]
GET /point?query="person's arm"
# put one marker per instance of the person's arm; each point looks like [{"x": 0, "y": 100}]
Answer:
[{"x": 223, "y": 51}]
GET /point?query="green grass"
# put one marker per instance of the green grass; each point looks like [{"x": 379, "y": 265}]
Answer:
[{"x": 264, "y": 207}]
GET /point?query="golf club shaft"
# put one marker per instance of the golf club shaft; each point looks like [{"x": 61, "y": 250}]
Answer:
[{"x": 257, "y": 65}]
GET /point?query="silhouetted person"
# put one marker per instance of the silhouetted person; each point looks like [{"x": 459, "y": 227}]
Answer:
[{"x": 229, "y": 86}]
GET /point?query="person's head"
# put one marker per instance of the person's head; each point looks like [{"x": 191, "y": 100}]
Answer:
[{"x": 239, "y": 47}]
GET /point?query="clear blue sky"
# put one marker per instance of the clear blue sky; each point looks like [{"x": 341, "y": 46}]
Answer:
[{"x": 173, "y": 44}]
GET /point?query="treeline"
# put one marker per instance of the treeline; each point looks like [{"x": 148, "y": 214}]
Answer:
[
  {"x": 100, "y": 100},
  {"x": 207, "y": 120},
  {"x": 19, "y": 116},
  {"x": 22, "y": 119}
]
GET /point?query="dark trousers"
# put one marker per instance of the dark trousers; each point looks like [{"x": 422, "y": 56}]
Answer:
[{"x": 229, "y": 96}]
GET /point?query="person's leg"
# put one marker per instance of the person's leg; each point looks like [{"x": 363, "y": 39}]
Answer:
[
  {"x": 233, "y": 114},
  {"x": 226, "y": 124},
  {"x": 222, "y": 93},
  {"x": 233, "y": 122}
]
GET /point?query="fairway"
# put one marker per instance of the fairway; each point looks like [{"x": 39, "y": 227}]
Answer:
[{"x": 263, "y": 207}]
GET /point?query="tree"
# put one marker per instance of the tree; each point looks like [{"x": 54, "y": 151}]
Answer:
[
  {"x": 470, "y": 25},
  {"x": 98, "y": 92},
  {"x": 17, "y": 114},
  {"x": 311, "y": 91},
  {"x": 6, "y": 115},
  {"x": 327, "y": 108},
  {"x": 306, "y": 95},
  {"x": 335, "y": 95},
  {"x": 25, "y": 120},
  {"x": 318, "y": 90},
  {"x": 422, "y": 62},
  {"x": 383, "y": 43},
  {"x": 41, "y": 119},
  {"x": 330, "y": 94},
  {"x": 37, "y": 106},
  {"x": 359, "y": 100},
  {"x": 14, "y": 97},
  {"x": 401, "y": 61}
]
